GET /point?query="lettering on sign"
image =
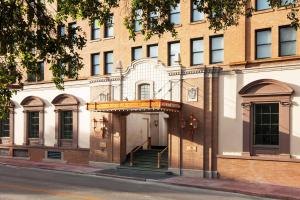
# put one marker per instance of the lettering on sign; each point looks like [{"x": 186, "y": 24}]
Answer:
[{"x": 191, "y": 148}]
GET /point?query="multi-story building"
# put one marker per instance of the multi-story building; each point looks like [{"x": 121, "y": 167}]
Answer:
[{"x": 224, "y": 104}]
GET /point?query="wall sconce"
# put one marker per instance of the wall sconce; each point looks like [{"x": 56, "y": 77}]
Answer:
[
  {"x": 191, "y": 123},
  {"x": 156, "y": 123},
  {"x": 100, "y": 125}
]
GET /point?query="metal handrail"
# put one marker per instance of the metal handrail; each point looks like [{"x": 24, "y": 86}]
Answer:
[
  {"x": 135, "y": 150},
  {"x": 159, "y": 156}
]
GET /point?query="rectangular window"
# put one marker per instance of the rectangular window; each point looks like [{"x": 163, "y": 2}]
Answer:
[
  {"x": 41, "y": 71},
  {"x": 33, "y": 124},
  {"x": 175, "y": 14},
  {"x": 95, "y": 30},
  {"x": 138, "y": 20},
  {"x": 72, "y": 29},
  {"x": 66, "y": 124},
  {"x": 262, "y": 4},
  {"x": 152, "y": 51},
  {"x": 263, "y": 44},
  {"x": 38, "y": 75},
  {"x": 4, "y": 127},
  {"x": 137, "y": 53},
  {"x": 288, "y": 41},
  {"x": 153, "y": 18},
  {"x": 108, "y": 62},
  {"x": 95, "y": 64},
  {"x": 266, "y": 120},
  {"x": 196, "y": 15},
  {"x": 144, "y": 91},
  {"x": 197, "y": 52},
  {"x": 173, "y": 51},
  {"x": 109, "y": 28},
  {"x": 287, "y": 2},
  {"x": 61, "y": 30},
  {"x": 216, "y": 49}
]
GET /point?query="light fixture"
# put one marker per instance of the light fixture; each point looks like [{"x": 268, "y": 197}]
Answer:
[{"x": 100, "y": 125}]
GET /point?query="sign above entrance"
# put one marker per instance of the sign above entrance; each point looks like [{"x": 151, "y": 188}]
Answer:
[{"x": 135, "y": 106}]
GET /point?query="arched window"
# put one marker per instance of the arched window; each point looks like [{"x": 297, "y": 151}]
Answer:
[
  {"x": 33, "y": 120},
  {"x": 66, "y": 120},
  {"x": 144, "y": 91},
  {"x": 266, "y": 117}
]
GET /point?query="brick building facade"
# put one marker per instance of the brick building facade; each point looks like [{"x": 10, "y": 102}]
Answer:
[{"x": 225, "y": 104}]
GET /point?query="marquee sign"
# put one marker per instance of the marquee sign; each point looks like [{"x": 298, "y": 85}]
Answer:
[{"x": 135, "y": 106}]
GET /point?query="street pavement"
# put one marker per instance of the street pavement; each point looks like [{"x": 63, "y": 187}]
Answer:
[{"x": 30, "y": 184}]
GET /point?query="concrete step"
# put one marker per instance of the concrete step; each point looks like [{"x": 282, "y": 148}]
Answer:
[{"x": 151, "y": 169}]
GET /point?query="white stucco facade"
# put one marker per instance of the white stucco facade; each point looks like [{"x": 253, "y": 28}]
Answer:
[
  {"x": 47, "y": 92},
  {"x": 230, "y": 109}
]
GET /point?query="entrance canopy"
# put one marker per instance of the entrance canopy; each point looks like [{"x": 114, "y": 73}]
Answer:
[{"x": 135, "y": 106}]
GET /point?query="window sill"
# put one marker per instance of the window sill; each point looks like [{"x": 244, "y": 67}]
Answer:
[
  {"x": 94, "y": 41},
  {"x": 198, "y": 22},
  {"x": 259, "y": 12},
  {"x": 54, "y": 160},
  {"x": 177, "y": 25},
  {"x": 277, "y": 158},
  {"x": 109, "y": 38}
]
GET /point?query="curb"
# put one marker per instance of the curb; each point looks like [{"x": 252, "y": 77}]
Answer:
[
  {"x": 267, "y": 195},
  {"x": 221, "y": 189}
]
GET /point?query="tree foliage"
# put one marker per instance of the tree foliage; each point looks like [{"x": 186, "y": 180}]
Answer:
[{"x": 29, "y": 31}]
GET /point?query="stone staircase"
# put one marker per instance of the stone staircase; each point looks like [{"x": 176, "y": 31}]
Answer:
[{"x": 146, "y": 160}]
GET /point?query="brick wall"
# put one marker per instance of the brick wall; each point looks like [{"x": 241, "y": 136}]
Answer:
[{"x": 285, "y": 173}]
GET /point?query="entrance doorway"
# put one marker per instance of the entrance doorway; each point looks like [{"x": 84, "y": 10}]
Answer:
[{"x": 147, "y": 139}]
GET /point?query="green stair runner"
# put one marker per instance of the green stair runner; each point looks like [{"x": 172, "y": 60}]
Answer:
[{"x": 147, "y": 160}]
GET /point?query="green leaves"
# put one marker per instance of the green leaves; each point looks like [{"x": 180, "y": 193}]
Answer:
[{"x": 29, "y": 31}]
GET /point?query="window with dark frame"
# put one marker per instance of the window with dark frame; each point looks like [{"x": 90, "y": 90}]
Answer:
[
  {"x": 66, "y": 124},
  {"x": 174, "y": 16},
  {"x": 38, "y": 75},
  {"x": 72, "y": 29},
  {"x": 266, "y": 124},
  {"x": 173, "y": 52},
  {"x": 287, "y": 41},
  {"x": 61, "y": 30},
  {"x": 287, "y": 2},
  {"x": 108, "y": 62},
  {"x": 263, "y": 45},
  {"x": 216, "y": 49},
  {"x": 33, "y": 124},
  {"x": 152, "y": 51},
  {"x": 197, "y": 51},
  {"x": 153, "y": 17},
  {"x": 138, "y": 20},
  {"x": 196, "y": 15},
  {"x": 95, "y": 30},
  {"x": 109, "y": 27},
  {"x": 4, "y": 127},
  {"x": 95, "y": 58},
  {"x": 262, "y": 5},
  {"x": 144, "y": 91},
  {"x": 136, "y": 53}
]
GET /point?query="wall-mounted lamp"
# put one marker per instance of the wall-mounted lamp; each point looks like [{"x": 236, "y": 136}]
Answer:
[
  {"x": 156, "y": 123},
  {"x": 191, "y": 124},
  {"x": 100, "y": 125}
]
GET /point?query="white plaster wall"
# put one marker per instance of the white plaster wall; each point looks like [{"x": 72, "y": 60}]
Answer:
[
  {"x": 230, "y": 117},
  {"x": 163, "y": 129},
  {"x": 147, "y": 71},
  {"x": 48, "y": 92},
  {"x": 136, "y": 130}
]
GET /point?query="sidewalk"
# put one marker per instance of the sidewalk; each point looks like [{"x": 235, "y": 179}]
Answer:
[{"x": 255, "y": 189}]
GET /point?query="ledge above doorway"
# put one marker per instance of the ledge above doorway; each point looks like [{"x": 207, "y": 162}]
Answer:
[{"x": 159, "y": 105}]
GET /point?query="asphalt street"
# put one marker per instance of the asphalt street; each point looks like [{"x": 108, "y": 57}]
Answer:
[{"x": 32, "y": 184}]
